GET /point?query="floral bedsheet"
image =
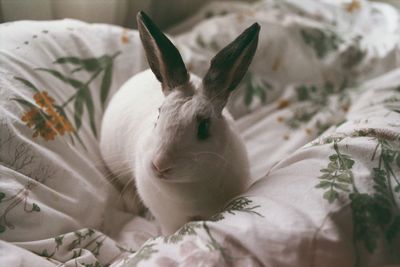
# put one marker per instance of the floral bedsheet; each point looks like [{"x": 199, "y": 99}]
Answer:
[{"x": 319, "y": 112}]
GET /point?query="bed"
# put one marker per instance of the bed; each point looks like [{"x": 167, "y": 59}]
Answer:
[{"x": 319, "y": 111}]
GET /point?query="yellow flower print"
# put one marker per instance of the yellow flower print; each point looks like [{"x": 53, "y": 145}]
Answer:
[
  {"x": 61, "y": 124},
  {"x": 353, "y": 6},
  {"x": 125, "y": 36},
  {"x": 31, "y": 116},
  {"x": 43, "y": 99},
  {"x": 46, "y": 120}
]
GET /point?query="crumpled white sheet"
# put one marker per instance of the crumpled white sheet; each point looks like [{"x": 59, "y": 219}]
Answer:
[
  {"x": 284, "y": 61},
  {"x": 324, "y": 72}
]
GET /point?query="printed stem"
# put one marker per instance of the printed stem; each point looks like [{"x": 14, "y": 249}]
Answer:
[
  {"x": 12, "y": 205},
  {"x": 116, "y": 54},
  {"x": 68, "y": 100},
  {"x": 12, "y": 197},
  {"x": 93, "y": 240},
  {"x": 390, "y": 172},
  {"x": 340, "y": 157},
  {"x": 376, "y": 148},
  {"x": 86, "y": 84},
  {"x": 215, "y": 244}
]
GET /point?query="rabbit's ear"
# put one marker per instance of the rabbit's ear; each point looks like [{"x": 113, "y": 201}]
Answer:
[
  {"x": 163, "y": 57},
  {"x": 230, "y": 65}
]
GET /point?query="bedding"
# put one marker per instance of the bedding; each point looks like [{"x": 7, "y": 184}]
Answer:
[{"x": 319, "y": 112}]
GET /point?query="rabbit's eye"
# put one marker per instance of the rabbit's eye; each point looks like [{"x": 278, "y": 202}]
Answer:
[
  {"x": 158, "y": 116},
  {"x": 203, "y": 129}
]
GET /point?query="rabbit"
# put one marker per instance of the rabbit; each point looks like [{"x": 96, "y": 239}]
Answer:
[{"x": 169, "y": 129}]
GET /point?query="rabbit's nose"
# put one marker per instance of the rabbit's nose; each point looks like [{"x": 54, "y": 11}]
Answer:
[{"x": 161, "y": 165}]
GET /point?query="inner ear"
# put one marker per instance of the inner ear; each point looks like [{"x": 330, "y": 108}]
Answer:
[
  {"x": 229, "y": 66},
  {"x": 163, "y": 57}
]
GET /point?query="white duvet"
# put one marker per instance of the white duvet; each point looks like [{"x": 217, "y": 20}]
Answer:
[{"x": 319, "y": 112}]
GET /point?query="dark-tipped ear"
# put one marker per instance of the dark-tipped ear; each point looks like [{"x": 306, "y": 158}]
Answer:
[
  {"x": 163, "y": 57},
  {"x": 230, "y": 65}
]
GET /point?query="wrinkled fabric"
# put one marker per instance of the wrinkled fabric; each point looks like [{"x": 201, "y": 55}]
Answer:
[{"x": 319, "y": 111}]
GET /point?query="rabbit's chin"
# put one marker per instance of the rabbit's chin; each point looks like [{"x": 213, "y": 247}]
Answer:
[
  {"x": 189, "y": 192},
  {"x": 198, "y": 184}
]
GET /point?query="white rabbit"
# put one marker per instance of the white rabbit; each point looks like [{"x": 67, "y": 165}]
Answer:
[{"x": 169, "y": 129}]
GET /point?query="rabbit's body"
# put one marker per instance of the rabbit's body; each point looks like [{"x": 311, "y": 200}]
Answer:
[
  {"x": 131, "y": 113},
  {"x": 127, "y": 145},
  {"x": 167, "y": 130}
]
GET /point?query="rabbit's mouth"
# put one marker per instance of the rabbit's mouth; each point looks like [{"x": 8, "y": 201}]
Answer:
[{"x": 161, "y": 173}]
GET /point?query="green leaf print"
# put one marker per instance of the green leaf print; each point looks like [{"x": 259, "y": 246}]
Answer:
[
  {"x": 27, "y": 83},
  {"x": 211, "y": 45},
  {"x": 35, "y": 207},
  {"x": 187, "y": 229},
  {"x": 24, "y": 102},
  {"x": 12, "y": 201},
  {"x": 76, "y": 253},
  {"x": 241, "y": 204},
  {"x": 59, "y": 241},
  {"x": 106, "y": 84},
  {"x": 302, "y": 93},
  {"x": 337, "y": 176},
  {"x": 71, "y": 81},
  {"x": 82, "y": 98},
  {"x": 145, "y": 253},
  {"x": 255, "y": 88},
  {"x": 77, "y": 242},
  {"x": 366, "y": 228},
  {"x": 96, "y": 264},
  {"x": 331, "y": 195},
  {"x": 45, "y": 254},
  {"x": 313, "y": 100},
  {"x": 393, "y": 229},
  {"x": 352, "y": 57},
  {"x": 88, "y": 64},
  {"x": 375, "y": 215},
  {"x": 90, "y": 109},
  {"x": 322, "y": 41}
]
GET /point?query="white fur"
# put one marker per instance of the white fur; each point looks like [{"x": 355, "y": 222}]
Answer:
[{"x": 205, "y": 175}]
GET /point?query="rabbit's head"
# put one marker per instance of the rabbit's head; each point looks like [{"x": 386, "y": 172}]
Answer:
[{"x": 191, "y": 137}]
